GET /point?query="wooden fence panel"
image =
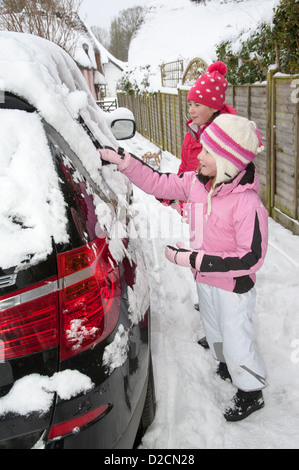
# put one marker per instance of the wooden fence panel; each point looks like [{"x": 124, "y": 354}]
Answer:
[
  {"x": 241, "y": 100},
  {"x": 257, "y": 112},
  {"x": 285, "y": 152}
]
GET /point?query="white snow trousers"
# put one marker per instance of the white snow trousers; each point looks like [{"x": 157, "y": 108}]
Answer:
[{"x": 227, "y": 320}]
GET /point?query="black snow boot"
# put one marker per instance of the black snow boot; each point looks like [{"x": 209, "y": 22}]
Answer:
[
  {"x": 243, "y": 404},
  {"x": 223, "y": 371},
  {"x": 203, "y": 342}
]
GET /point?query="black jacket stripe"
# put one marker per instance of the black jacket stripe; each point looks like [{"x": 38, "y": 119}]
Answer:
[{"x": 217, "y": 264}]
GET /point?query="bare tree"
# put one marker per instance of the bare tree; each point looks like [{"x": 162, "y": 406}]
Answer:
[
  {"x": 54, "y": 20},
  {"x": 122, "y": 30},
  {"x": 102, "y": 35}
]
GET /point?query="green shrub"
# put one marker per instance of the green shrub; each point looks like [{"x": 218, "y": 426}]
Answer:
[{"x": 273, "y": 46}]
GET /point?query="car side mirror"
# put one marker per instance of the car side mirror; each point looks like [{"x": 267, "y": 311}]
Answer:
[{"x": 123, "y": 129}]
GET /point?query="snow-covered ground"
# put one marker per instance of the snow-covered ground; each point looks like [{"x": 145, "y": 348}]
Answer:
[{"x": 190, "y": 398}]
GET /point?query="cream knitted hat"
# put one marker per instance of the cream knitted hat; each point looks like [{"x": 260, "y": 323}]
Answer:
[{"x": 234, "y": 142}]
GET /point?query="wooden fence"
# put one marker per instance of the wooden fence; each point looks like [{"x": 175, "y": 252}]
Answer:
[{"x": 161, "y": 117}]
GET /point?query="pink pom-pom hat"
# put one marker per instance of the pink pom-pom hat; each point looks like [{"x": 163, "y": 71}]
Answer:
[{"x": 210, "y": 88}]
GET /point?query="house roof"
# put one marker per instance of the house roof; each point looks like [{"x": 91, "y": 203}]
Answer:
[{"x": 88, "y": 48}]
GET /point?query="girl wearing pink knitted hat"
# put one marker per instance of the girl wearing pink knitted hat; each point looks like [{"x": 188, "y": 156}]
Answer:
[
  {"x": 228, "y": 243},
  {"x": 206, "y": 100}
]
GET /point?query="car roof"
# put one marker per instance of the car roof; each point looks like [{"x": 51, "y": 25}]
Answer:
[{"x": 45, "y": 76}]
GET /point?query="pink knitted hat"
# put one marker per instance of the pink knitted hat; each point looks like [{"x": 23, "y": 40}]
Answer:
[
  {"x": 234, "y": 142},
  {"x": 209, "y": 89}
]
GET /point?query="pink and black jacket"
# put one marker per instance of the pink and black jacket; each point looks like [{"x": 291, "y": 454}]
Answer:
[{"x": 233, "y": 238}]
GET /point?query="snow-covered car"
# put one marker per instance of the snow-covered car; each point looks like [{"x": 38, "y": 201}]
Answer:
[{"x": 75, "y": 361}]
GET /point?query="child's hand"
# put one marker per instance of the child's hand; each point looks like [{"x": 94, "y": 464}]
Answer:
[
  {"x": 119, "y": 157},
  {"x": 184, "y": 256},
  {"x": 179, "y": 256}
]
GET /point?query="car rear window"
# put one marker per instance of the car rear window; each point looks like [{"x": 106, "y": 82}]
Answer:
[{"x": 34, "y": 210}]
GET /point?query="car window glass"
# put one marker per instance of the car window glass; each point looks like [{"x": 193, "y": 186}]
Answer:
[{"x": 77, "y": 190}]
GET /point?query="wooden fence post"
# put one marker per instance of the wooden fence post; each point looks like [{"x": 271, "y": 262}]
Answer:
[
  {"x": 148, "y": 115},
  {"x": 296, "y": 193},
  {"x": 180, "y": 110},
  {"x": 248, "y": 101},
  {"x": 270, "y": 160},
  {"x": 161, "y": 120},
  {"x": 174, "y": 125}
]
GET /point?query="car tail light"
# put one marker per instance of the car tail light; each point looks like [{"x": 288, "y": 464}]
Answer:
[
  {"x": 89, "y": 297},
  {"x": 29, "y": 320},
  {"x": 76, "y": 424},
  {"x": 76, "y": 310}
]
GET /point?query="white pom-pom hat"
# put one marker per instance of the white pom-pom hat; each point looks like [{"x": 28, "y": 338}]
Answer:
[{"x": 234, "y": 142}]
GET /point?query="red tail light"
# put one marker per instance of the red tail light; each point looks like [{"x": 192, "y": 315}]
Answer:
[
  {"x": 29, "y": 320},
  {"x": 76, "y": 424},
  {"x": 89, "y": 297},
  {"x": 86, "y": 298}
]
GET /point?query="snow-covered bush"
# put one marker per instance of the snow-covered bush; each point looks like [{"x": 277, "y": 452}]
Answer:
[{"x": 254, "y": 52}]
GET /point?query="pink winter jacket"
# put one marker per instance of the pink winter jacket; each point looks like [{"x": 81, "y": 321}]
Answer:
[{"x": 233, "y": 238}]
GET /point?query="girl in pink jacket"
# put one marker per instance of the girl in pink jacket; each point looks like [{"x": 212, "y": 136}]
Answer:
[{"x": 228, "y": 242}]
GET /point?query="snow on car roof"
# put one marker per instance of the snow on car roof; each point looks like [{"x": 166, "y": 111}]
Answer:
[
  {"x": 30, "y": 212},
  {"x": 48, "y": 78},
  {"x": 44, "y": 75}
]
